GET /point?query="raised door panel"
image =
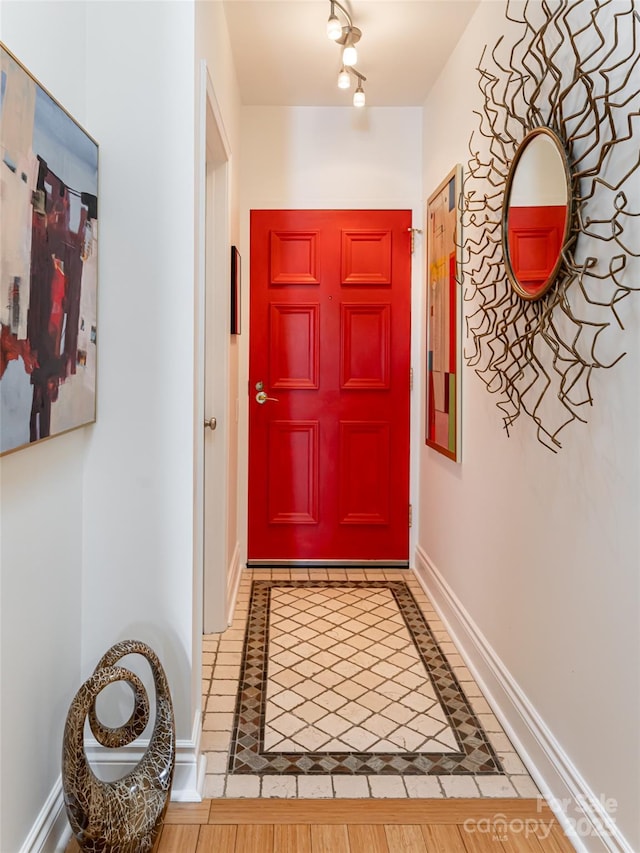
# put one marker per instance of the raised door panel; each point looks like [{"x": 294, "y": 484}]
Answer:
[
  {"x": 366, "y": 258},
  {"x": 293, "y": 345},
  {"x": 365, "y": 346},
  {"x": 293, "y": 257},
  {"x": 292, "y": 472},
  {"x": 535, "y": 240},
  {"x": 364, "y": 472}
]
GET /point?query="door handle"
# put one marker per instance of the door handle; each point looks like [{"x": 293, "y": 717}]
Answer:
[
  {"x": 212, "y": 423},
  {"x": 261, "y": 397}
]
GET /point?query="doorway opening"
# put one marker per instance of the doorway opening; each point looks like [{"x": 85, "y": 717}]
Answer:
[{"x": 213, "y": 313}]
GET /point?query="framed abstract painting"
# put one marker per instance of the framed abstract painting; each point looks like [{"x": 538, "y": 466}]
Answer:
[
  {"x": 48, "y": 263},
  {"x": 443, "y": 368}
]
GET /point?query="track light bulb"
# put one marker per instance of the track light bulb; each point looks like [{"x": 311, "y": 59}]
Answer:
[
  {"x": 334, "y": 27},
  {"x": 349, "y": 55},
  {"x": 344, "y": 79},
  {"x": 359, "y": 97}
]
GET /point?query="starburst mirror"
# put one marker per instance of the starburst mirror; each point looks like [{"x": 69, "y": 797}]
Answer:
[{"x": 549, "y": 214}]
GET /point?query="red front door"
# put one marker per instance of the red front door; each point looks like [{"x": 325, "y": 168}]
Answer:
[{"x": 329, "y": 386}]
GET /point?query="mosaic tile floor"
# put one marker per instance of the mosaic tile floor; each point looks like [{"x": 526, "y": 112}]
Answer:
[{"x": 346, "y": 685}]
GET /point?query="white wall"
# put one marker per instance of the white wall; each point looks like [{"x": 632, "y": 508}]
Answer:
[
  {"x": 41, "y": 510},
  {"x": 547, "y": 566},
  {"x": 138, "y": 477},
  {"x": 330, "y": 157},
  {"x": 97, "y": 525}
]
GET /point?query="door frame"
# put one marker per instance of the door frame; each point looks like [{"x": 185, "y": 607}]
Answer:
[
  {"x": 212, "y": 361},
  {"x": 299, "y": 199}
]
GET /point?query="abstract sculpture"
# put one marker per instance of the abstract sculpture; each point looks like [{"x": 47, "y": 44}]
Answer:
[{"x": 123, "y": 816}]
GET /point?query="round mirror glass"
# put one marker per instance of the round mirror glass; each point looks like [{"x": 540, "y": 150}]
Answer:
[{"x": 536, "y": 216}]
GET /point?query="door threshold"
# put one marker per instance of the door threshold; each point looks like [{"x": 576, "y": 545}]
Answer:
[{"x": 328, "y": 564}]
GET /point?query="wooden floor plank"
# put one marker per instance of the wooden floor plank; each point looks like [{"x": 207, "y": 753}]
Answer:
[
  {"x": 358, "y": 826},
  {"x": 405, "y": 839},
  {"x": 520, "y": 841},
  {"x": 179, "y": 839},
  {"x": 552, "y": 839},
  {"x": 257, "y": 837},
  {"x": 330, "y": 839},
  {"x": 184, "y": 813},
  {"x": 291, "y": 839},
  {"x": 443, "y": 838},
  {"x": 482, "y": 842},
  {"x": 387, "y": 811},
  {"x": 367, "y": 838},
  {"x": 217, "y": 839}
]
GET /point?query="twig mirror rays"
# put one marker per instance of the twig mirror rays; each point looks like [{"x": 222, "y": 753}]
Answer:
[{"x": 568, "y": 71}]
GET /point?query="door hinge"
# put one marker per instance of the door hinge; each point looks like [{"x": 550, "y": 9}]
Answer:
[
  {"x": 413, "y": 232},
  {"x": 410, "y": 515},
  {"x": 411, "y": 379}
]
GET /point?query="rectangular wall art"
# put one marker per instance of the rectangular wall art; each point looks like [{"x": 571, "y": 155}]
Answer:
[
  {"x": 443, "y": 317},
  {"x": 235, "y": 291},
  {"x": 48, "y": 263}
]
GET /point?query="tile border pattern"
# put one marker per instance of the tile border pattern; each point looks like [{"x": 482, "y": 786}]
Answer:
[{"x": 475, "y": 755}]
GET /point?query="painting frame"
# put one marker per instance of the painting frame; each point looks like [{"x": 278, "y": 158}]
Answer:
[
  {"x": 443, "y": 317},
  {"x": 49, "y": 171},
  {"x": 236, "y": 262}
]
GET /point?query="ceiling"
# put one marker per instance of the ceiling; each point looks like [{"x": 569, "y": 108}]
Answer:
[{"x": 284, "y": 58}]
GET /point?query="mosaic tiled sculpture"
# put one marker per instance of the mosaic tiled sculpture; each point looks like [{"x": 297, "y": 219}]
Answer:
[{"x": 124, "y": 816}]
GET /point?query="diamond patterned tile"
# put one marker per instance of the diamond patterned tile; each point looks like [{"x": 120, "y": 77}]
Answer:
[
  {"x": 380, "y": 726},
  {"x": 334, "y": 725},
  {"x": 286, "y": 699},
  {"x": 350, "y": 690},
  {"x": 310, "y": 712},
  {"x": 330, "y": 700},
  {"x": 311, "y": 738},
  {"x": 285, "y": 724},
  {"x": 355, "y": 712},
  {"x": 346, "y": 676},
  {"x": 309, "y": 689},
  {"x": 375, "y": 702}
]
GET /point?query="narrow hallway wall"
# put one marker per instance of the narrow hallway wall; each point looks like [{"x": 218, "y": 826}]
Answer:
[
  {"x": 138, "y": 479},
  {"x": 41, "y": 511},
  {"x": 97, "y": 526},
  {"x": 541, "y": 550}
]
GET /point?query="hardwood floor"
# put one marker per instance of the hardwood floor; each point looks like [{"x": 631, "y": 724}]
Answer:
[{"x": 361, "y": 826}]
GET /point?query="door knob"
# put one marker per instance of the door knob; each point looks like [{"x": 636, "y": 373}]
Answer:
[
  {"x": 212, "y": 423},
  {"x": 261, "y": 397}
]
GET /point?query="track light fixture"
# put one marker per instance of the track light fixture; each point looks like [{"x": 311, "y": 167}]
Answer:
[
  {"x": 342, "y": 33},
  {"x": 345, "y": 34},
  {"x": 334, "y": 27},
  {"x": 344, "y": 82},
  {"x": 359, "y": 97},
  {"x": 349, "y": 54},
  {"x": 344, "y": 79}
]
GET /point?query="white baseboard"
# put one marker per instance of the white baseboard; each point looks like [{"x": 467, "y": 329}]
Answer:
[
  {"x": 582, "y": 814},
  {"x": 51, "y": 832},
  {"x": 233, "y": 582}
]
